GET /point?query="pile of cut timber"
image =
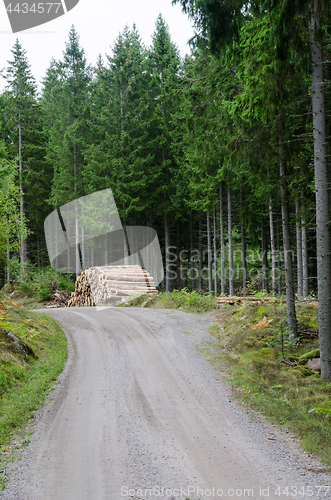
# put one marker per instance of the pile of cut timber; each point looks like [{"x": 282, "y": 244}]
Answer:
[
  {"x": 82, "y": 296},
  {"x": 111, "y": 285},
  {"x": 59, "y": 298},
  {"x": 239, "y": 300}
]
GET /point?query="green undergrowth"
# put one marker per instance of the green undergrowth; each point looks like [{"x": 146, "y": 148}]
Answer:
[
  {"x": 37, "y": 282},
  {"x": 191, "y": 302},
  {"x": 268, "y": 372},
  {"x": 33, "y": 350}
]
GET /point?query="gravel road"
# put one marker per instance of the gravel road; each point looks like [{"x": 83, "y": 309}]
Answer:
[{"x": 140, "y": 413}]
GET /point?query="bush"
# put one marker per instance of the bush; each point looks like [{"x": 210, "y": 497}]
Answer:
[
  {"x": 38, "y": 282},
  {"x": 189, "y": 301}
]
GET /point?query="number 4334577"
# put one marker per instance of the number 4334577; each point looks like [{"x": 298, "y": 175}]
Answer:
[{"x": 35, "y": 8}]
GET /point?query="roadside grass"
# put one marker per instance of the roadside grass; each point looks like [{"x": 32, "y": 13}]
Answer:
[
  {"x": 33, "y": 350},
  {"x": 191, "y": 302},
  {"x": 267, "y": 373}
]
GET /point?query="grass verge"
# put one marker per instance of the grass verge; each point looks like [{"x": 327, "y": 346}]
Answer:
[
  {"x": 268, "y": 372},
  {"x": 191, "y": 302},
  {"x": 33, "y": 351}
]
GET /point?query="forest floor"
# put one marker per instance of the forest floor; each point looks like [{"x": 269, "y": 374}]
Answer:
[{"x": 33, "y": 351}]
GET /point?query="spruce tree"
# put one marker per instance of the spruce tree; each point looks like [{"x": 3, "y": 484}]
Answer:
[
  {"x": 165, "y": 67},
  {"x": 13, "y": 227},
  {"x": 65, "y": 102},
  {"x": 20, "y": 115}
]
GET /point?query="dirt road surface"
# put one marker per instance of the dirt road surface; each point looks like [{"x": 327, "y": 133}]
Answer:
[{"x": 140, "y": 413}]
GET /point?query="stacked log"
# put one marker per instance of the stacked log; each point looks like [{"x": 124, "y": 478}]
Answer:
[
  {"x": 231, "y": 301},
  {"x": 82, "y": 296},
  {"x": 59, "y": 298},
  {"x": 110, "y": 285}
]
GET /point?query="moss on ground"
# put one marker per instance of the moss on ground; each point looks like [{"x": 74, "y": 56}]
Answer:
[
  {"x": 33, "y": 351},
  {"x": 271, "y": 378}
]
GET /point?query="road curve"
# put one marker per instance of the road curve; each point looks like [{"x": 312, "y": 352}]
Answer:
[{"x": 139, "y": 413}]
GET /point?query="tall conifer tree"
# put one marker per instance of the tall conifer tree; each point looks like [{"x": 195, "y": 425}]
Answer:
[{"x": 20, "y": 114}]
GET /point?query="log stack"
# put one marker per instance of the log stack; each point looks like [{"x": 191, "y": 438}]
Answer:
[
  {"x": 82, "y": 296},
  {"x": 231, "y": 301},
  {"x": 111, "y": 285}
]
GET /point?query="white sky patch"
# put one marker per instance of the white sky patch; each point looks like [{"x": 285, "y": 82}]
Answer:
[{"x": 98, "y": 23}]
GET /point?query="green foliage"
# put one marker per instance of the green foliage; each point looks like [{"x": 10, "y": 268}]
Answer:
[
  {"x": 24, "y": 383},
  {"x": 65, "y": 105},
  {"x": 286, "y": 393},
  {"x": 326, "y": 412},
  {"x": 187, "y": 301},
  {"x": 38, "y": 282},
  {"x": 119, "y": 155},
  {"x": 192, "y": 302},
  {"x": 21, "y": 118},
  {"x": 12, "y": 226}
]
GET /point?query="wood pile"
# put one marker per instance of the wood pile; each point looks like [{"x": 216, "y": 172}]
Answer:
[
  {"x": 59, "y": 298},
  {"x": 82, "y": 296},
  {"x": 231, "y": 301},
  {"x": 111, "y": 285}
]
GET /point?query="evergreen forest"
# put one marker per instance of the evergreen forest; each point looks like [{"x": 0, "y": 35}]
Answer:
[{"x": 224, "y": 153}]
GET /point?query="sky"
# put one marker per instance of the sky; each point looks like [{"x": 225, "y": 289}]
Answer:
[{"x": 98, "y": 23}]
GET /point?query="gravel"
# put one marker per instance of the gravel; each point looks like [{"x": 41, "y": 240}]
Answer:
[{"x": 139, "y": 412}]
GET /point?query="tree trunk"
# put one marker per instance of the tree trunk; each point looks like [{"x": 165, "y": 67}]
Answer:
[
  {"x": 273, "y": 248},
  {"x": 191, "y": 253},
  {"x": 265, "y": 280},
  {"x": 38, "y": 251},
  {"x": 78, "y": 266},
  {"x": 223, "y": 279},
  {"x": 305, "y": 282},
  {"x": 215, "y": 250},
  {"x": 126, "y": 246},
  {"x": 279, "y": 262},
  {"x": 231, "y": 271},
  {"x": 178, "y": 263},
  {"x": 322, "y": 199},
  {"x": 7, "y": 265},
  {"x": 200, "y": 254},
  {"x": 243, "y": 247},
  {"x": 23, "y": 241},
  {"x": 167, "y": 247},
  {"x": 210, "y": 260},
  {"x": 291, "y": 312},
  {"x": 299, "y": 248}
]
